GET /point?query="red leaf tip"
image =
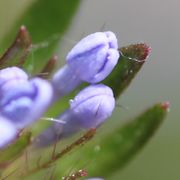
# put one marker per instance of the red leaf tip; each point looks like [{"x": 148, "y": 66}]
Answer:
[
  {"x": 166, "y": 105},
  {"x": 138, "y": 52},
  {"x": 23, "y": 28},
  {"x": 145, "y": 51}
]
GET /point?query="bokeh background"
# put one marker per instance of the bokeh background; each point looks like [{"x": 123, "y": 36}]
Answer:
[{"x": 155, "y": 22}]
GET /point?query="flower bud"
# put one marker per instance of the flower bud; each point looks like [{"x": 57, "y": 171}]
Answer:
[
  {"x": 92, "y": 105},
  {"x": 94, "y": 57},
  {"x": 91, "y": 60},
  {"x": 26, "y": 102},
  {"x": 90, "y": 108},
  {"x": 10, "y": 77},
  {"x": 8, "y": 132}
]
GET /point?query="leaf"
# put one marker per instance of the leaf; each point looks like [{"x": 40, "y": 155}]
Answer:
[
  {"x": 125, "y": 142},
  {"x": 16, "y": 54},
  {"x": 14, "y": 150},
  {"x": 46, "y": 21},
  {"x": 131, "y": 59},
  {"x": 114, "y": 150}
]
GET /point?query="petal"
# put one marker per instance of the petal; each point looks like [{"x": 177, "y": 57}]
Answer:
[{"x": 8, "y": 132}]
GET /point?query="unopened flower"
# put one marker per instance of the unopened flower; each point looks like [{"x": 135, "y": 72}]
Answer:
[
  {"x": 90, "y": 108},
  {"x": 11, "y": 77},
  {"x": 24, "y": 101},
  {"x": 8, "y": 132},
  {"x": 91, "y": 60},
  {"x": 92, "y": 105}
]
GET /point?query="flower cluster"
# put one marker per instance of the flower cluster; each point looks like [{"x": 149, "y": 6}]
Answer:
[{"x": 24, "y": 100}]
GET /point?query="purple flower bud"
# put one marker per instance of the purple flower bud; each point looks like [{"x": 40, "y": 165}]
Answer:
[
  {"x": 94, "y": 57},
  {"x": 10, "y": 77},
  {"x": 8, "y": 132},
  {"x": 91, "y": 60},
  {"x": 26, "y": 102},
  {"x": 91, "y": 107}
]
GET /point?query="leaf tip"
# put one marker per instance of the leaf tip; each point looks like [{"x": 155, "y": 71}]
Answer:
[
  {"x": 166, "y": 106},
  {"x": 23, "y": 28},
  {"x": 24, "y": 37},
  {"x": 140, "y": 51},
  {"x": 147, "y": 51},
  {"x": 144, "y": 51}
]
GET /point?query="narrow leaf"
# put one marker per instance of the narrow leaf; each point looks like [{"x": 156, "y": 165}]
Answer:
[
  {"x": 130, "y": 62},
  {"x": 14, "y": 150},
  {"x": 15, "y": 55},
  {"x": 114, "y": 150},
  {"x": 120, "y": 146}
]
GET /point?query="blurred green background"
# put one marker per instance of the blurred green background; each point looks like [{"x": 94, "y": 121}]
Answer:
[{"x": 155, "y": 22}]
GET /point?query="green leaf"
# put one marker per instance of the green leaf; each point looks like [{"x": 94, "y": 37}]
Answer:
[
  {"x": 114, "y": 150},
  {"x": 14, "y": 150},
  {"x": 46, "y": 21},
  {"x": 120, "y": 146},
  {"x": 130, "y": 62}
]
